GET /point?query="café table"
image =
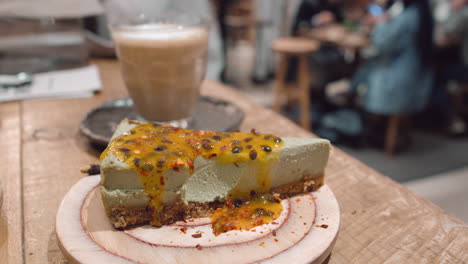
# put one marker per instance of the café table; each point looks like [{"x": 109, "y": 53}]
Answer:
[
  {"x": 42, "y": 152},
  {"x": 337, "y": 35}
]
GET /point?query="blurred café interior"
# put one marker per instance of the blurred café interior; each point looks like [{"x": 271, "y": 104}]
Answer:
[{"x": 386, "y": 81}]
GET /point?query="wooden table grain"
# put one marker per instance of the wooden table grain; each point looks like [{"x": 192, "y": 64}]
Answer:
[{"x": 42, "y": 152}]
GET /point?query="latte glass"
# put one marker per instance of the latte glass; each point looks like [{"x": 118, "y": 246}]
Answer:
[{"x": 162, "y": 60}]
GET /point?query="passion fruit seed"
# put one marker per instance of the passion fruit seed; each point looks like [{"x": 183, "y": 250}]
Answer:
[
  {"x": 248, "y": 139},
  {"x": 263, "y": 212},
  {"x": 217, "y": 137},
  {"x": 148, "y": 167},
  {"x": 253, "y": 154},
  {"x": 208, "y": 146},
  {"x": 272, "y": 199},
  {"x": 161, "y": 162},
  {"x": 160, "y": 148},
  {"x": 136, "y": 161},
  {"x": 248, "y": 146},
  {"x": 238, "y": 202},
  {"x": 206, "y": 140},
  {"x": 236, "y": 150},
  {"x": 267, "y": 137},
  {"x": 167, "y": 141},
  {"x": 236, "y": 141},
  {"x": 266, "y": 148},
  {"x": 254, "y": 131},
  {"x": 124, "y": 149},
  {"x": 277, "y": 140}
]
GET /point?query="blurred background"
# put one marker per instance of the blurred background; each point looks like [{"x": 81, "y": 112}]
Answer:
[{"x": 386, "y": 81}]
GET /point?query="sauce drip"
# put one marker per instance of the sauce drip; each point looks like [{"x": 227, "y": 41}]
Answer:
[
  {"x": 238, "y": 215},
  {"x": 151, "y": 149}
]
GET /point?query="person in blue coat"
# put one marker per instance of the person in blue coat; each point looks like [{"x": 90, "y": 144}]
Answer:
[{"x": 398, "y": 79}]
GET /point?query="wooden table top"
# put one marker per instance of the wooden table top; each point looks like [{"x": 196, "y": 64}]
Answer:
[
  {"x": 337, "y": 35},
  {"x": 42, "y": 153}
]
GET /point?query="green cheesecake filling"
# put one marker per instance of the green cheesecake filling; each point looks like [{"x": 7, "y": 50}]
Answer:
[{"x": 161, "y": 159}]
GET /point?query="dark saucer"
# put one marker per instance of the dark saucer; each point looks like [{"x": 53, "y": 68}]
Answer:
[{"x": 212, "y": 114}]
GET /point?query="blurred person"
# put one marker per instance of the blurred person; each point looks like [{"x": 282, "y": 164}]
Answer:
[
  {"x": 452, "y": 62},
  {"x": 273, "y": 16},
  {"x": 398, "y": 78},
  {"x": 328, "y": 63},
  {"x": 221, "y": 9},
  {"x": 313, "y": 13}
]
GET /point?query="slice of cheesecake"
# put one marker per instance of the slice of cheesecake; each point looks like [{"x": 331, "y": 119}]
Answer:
[{"x": 161, "y": 174}]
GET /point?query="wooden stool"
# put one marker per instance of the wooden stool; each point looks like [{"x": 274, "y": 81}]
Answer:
[
  {"x": 392, "y": 134},
  {"x": 459, "y": 98},
  {"x": 396, "y": 123},
  {"x": 302, "y": 49}
]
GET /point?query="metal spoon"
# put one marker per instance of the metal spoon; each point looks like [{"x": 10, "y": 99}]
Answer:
[{"x": 16, "y": 80}]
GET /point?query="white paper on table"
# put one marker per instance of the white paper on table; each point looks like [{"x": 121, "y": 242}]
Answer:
[
  {"x": 80, "y": 82},
  {"x": 50, "y": 8}
]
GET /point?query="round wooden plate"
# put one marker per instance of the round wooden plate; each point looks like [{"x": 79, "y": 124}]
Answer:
[{"x": 304, "y": 233}]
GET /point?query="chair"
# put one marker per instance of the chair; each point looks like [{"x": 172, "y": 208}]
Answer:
[
  {"x": 302, "y": 49},
  {"x": 459, "y": 97},
  {"x": 391, "y": 137}
]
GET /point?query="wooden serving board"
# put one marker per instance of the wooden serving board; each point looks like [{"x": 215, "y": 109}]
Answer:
[{"x": 304, "y": 233}]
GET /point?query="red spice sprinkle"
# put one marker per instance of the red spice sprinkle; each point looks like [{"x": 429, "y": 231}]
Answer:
[
  {"x": 235, "y": 164},
  {"x": 276, "y": 240},
  {"x": 324, "y": 226},
  {"x": 191, "y": 142},
  {"x": 190, "y": 164},
  {"x": 274, "y": 232},
  {"x": 298, "y": 200},
  {"x": 305, "y": 223},
  {"x": 253, "y": 230},
  {"x": 314, "y": 198},
  {"x": 262, "y": 244},
  {"x": 197, "y": 235},
  {"x": 183, "y": 230},
  {"x": 199, "y": 247}
]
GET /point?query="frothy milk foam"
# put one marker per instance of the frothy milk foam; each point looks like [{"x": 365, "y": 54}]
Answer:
[{"x": 163, "y": 66}]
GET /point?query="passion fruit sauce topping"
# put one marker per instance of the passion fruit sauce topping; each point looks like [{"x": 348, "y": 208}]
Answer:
[
  {"x": 245, "y": 215},
  {"x": 151, "y": 150}
]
